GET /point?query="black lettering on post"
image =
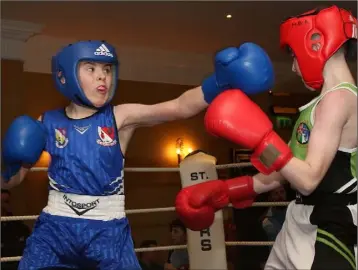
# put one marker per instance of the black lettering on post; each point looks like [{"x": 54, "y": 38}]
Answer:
[
  {"x": 194, "y": 176},
  {"x": 205, "y": 232},
  {"x": 205, "y": 245},
  {"x": 197, "y": 175}
]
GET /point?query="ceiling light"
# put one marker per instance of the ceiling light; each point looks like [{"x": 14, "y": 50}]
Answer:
[{"x": 228, "y": 16}]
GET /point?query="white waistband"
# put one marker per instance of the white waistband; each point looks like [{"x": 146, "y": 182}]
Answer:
[{"x": 84, "y": 206}]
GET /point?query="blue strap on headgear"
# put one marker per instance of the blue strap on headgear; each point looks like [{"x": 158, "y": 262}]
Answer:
[{"x": 67, "y": 60}]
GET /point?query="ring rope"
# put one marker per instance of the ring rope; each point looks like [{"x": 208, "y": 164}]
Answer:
[
  {"x": 149, "y": 210},
  {"x": 164, "y": 209},
  {"x": 233, "y": 165},
  {"x": 164, "y": 248},
  {"x": 163, "y": 169}
]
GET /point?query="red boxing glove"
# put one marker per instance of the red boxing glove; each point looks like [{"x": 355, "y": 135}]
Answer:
[
  {"x": 233, "y": 116},
  {"x": 196, "y": 205}
]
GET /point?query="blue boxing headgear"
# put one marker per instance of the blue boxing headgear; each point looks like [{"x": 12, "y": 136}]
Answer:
[{"x": 65, "y": 65}]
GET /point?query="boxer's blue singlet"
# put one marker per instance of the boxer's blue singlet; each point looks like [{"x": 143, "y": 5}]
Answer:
[{"x": 86, "y": 159}]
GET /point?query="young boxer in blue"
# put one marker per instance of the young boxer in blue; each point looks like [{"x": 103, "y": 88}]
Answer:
[{"x": 84, "y": 223}]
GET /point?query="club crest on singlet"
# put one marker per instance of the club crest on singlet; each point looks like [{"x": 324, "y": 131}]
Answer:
[
  {"x": 303, "y": 133},
  {"x": 106, "y": 136},
  {"x": 61, "y": 139}
]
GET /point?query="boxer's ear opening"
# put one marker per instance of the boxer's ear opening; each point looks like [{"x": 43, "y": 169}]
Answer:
[
  {"x": 316, "y": 36},
  {"x": 61, "y": 77},
  {"x": 316, "y": 45}
]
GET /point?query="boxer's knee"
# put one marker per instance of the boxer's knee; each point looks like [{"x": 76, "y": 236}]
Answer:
[{"x": 48, "y": 246}]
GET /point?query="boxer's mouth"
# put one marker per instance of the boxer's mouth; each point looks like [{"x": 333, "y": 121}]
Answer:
[{"x": 102, "y": 89}]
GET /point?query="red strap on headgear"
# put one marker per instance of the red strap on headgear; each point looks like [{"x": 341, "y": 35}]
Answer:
[{"x": 335, "y": 26}]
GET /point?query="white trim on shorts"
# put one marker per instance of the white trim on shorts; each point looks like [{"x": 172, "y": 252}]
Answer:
[
  {"x": 294, "y": 246},
  {"x": 86, "y": 207}
]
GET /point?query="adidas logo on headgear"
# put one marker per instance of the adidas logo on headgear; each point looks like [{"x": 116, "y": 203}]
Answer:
[{"x": 103, "y": 50}]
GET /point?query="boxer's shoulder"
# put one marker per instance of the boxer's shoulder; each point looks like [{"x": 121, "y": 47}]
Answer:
[
  {"x": 120, "y": 113},
  {"x": 340, "y": 105},
  {"x": 51, "y": 115},
  {"x": 58, "y": 111},
  {"x": 341, "y": 98},
  {"x": 123, "y": 113}
]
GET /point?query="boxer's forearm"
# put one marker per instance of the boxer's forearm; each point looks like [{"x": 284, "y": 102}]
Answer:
[
  {"x": 301, "y": 175},
  {"x": 186, "y": 105},
  {"x": 191, "y": 103},
  {"x": 14, "y": 180},
  {"x": 265, "y": 183},
  {"x": 324, "y": 142}
]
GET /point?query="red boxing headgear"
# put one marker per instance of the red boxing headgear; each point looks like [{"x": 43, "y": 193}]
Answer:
[{"x": 333, "y": 26}]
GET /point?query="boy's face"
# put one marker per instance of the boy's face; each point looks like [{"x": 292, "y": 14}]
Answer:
[
  {"x": 295, "y": 67},
  {"x": 151, "y": 256},
  {"x": 178, "y": 236},
  {"x": 96, "y": 81}
]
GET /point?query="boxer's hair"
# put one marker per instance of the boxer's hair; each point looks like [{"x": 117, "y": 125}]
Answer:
[
  {"x": 146, "y": 244},
  {"x": 315, "y": 11},
  {"x": 5, "y": 191},
  {"x": 177, "y": 223}
]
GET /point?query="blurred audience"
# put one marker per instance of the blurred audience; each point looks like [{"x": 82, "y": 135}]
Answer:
[
  {"x": 231, "y": 251},
  {"x": 275, "y": 216},
  {"x": 249, "y": 228},
  {"x": 179, "y": 258},
  {"x": 13, "y": 233},
  {"x": 149, "y": 260}
]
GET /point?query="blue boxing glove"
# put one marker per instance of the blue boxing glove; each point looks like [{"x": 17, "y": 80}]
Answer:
[
  {"x": 23, "y": 144},
  {"x": 247, "y": 68}
]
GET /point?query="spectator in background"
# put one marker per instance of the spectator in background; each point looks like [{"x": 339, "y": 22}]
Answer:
[
  {"x": 248, "y": 222},
  {"x": 149, "y": 260},
  {"x": 275, "y": 216},
  {"x": 231, "y": 251},
  {"x": 179, "y": 258},
  {"x": 13, "y": 233},
  {"x": 249, "y": 228},
  {"x": 5, "y": 203}
]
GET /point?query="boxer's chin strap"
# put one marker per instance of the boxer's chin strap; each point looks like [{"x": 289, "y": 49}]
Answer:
[{"x": 81, "y": 103}]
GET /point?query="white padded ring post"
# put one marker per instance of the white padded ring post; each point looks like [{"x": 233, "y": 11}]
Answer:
[{"x": 206, "y": 248}]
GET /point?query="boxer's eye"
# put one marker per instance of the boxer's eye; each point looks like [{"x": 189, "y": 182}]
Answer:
[
  {"x": 290, "y": 51},
  {"x": 107, "y": 68}
]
